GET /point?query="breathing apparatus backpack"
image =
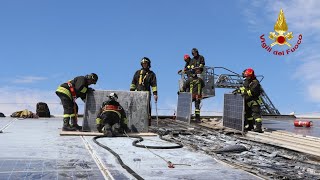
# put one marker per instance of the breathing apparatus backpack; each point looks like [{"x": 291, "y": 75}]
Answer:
[{"x": 42, "y": 109}]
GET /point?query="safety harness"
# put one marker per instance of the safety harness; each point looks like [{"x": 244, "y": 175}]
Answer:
[
  {"x": 73, "y": 92},
  {"x": 111, "y": 107},
  {"x": 142, "y": 78}
]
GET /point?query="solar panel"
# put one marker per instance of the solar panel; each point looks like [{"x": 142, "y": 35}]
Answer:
[
  {"x": 184, "y": 107},
  {"x": 233, "y": 111},
  {"x": 48, "y": 169},
  {"x": 135, "y": 104}
]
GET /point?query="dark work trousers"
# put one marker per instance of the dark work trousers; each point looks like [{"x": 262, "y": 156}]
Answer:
[
  {"x": 197, "y": 105},
  {"x": 252, "y": 113},
  {"x": 256, "y": 112},
  {"x": 68, "y": 104},
  {"x": 110, "y": 118}
]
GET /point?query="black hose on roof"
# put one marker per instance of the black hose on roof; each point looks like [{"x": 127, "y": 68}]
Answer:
[
  {"x": 129, "y": 170},
  {"x": 134, "y": 143}
]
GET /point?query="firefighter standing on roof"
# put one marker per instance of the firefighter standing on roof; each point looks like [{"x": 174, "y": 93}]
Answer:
[
  {"x": 68, "y": 93},
  {"x": 194, "y": 85},
  {"x": 111, "y": 118},
  {"x": 143, "y": 79},
  {"x": 251, "y": 91}
]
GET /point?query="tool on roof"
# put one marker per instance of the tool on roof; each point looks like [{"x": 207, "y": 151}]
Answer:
[{"x": 157, "y": 113}]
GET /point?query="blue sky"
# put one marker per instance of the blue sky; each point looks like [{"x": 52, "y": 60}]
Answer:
[{"x": 45, "y": 43}]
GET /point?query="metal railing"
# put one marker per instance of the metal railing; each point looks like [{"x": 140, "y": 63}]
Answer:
[{"x": 229, "y": 79}]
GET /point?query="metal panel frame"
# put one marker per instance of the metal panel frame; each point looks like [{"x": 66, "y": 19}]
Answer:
[
  {"x": 184, "y": 107},
  {"x": 135, "y": 104},
  {"x": 233, "y": 103},
  {"x": 207, "y": 76}
]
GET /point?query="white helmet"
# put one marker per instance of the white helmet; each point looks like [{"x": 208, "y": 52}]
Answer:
[{"x": 113, "y": 96}]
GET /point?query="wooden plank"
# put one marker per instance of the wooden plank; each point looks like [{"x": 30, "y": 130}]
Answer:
[
  {"x": 285, "y": 140},
  {"x": 306, "y": 142},
  {"x": 297, "y": 135},
  {"x": 287, "y": 146},
  {"x": 78, "y": 133},
  {"x": 284, "y": 144}
]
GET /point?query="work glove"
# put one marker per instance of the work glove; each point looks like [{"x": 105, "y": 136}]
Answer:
[
  {"x": 90, "y": 89},
  {"x": 236, "y": 91},
  {"x": 242, "y": 90}
]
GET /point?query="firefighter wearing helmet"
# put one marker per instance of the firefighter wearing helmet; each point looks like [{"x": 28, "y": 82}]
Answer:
[
  {"x": 194, "y": 85},
  {"x": 111, "y": 118},
  {"x": 143, "y": 79},
  {"x": 187, "y": 67},
  {"x": 197, "y": 60},
  {"x": 68, "y": 93},
  {"x": 251, "y": 91}
]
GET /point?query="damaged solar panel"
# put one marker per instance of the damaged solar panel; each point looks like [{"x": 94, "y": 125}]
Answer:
[
  {"x": 233, "y": 111},
  {"x": 184, "y": 107}
]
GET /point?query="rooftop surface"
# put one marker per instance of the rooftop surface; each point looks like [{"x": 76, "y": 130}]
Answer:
[{"x": 33, "y": 149}]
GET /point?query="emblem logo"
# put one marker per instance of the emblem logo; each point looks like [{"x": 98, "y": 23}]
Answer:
[
  {"x": 280, "y": 37},
  {"x": 281, "y": 28}
]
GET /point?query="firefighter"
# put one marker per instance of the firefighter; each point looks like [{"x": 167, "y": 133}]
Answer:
[
  {"x": 111, "y": 118},
  {"x": 245, "y": 81},
  {"x": 68, "y": 93},
  {"x": 251, "y": 91},
  {"x": 187, "y": 67},
  {"x": 143, "y": 79},
  {"x": 194, "y": 85},
  {"x": 197, "y": 60}
]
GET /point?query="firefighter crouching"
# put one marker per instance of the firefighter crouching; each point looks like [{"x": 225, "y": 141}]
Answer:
[
  {"x": 68, "y": 93},
  {"x": 111, "y": 119},
  {"x": 251, "y": 91}
]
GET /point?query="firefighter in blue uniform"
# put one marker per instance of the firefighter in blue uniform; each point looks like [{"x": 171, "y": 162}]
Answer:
[{"x": 68, "y": 93}]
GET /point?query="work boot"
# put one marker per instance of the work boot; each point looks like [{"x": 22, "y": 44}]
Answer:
[
  {"x": 250, "y": 127},
  {"x": 107, "y": 130},
  {"x": 66, "y": 125},
  {"x": 258, "y": 127},
  {"x": 198, "y": 118},
  {"x": 116, "y": 129},
  {"x": 74, "y": 124}
]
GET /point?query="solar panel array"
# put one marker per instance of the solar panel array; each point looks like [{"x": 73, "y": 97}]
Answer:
[
  {"x": 48, "y": 169},
  {"x": 184, "y": 107},
  {"x": 233, "y": 111},
  {"x": 135, "y": 104}
]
